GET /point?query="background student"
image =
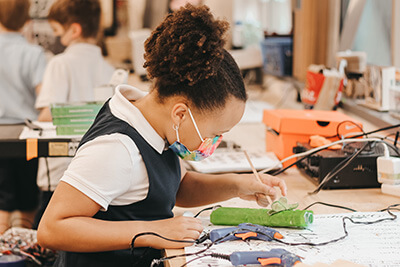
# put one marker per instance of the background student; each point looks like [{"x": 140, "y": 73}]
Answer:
[
  {"x": 21, "y": 70},
  {"x": 126, "y": 176},
  {"x": 70, "y": 76}
]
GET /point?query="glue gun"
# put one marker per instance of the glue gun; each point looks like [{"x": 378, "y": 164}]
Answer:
[
  {"x": 244, "y": 231},
  {"x": 276, "y": 257}
]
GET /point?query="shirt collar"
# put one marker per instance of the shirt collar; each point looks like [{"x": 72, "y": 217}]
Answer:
[
  {"x": 124, "y": 110},
  {"x": 84, "y": 48},
  {"x": 11, "y": 35}
]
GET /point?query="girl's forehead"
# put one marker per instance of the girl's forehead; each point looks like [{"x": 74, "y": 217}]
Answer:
[{"x": 225, "y": 117}]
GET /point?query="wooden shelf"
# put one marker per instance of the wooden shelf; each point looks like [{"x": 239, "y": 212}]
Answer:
[{"x": 378, "y": 118}]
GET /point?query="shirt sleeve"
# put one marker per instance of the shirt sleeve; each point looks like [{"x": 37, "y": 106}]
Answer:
[
  {"x": 38, "y": 66},
  {"x": 104, "y": 169},
  {"x": 55, "y": 84}
]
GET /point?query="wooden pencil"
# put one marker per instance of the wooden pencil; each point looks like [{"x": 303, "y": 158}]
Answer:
[{"x": 260, "y": 196}]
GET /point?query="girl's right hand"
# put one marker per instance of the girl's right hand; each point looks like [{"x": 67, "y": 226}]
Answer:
[{"x": 177, "y": 228}]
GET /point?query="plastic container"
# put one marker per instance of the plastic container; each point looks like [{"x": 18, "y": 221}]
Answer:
[
  {"x": 12, "y": 261},
  {"x": 277, "y": 55}
]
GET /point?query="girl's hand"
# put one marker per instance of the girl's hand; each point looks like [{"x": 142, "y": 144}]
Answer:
[
  {"x": 177, "y": 228},
  {"x": 250, "y": 188}
]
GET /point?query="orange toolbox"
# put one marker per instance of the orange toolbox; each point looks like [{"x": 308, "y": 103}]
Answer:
[{"x": 286, "y": 127}]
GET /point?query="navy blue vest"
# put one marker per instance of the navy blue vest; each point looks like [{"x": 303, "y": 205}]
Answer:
[{"x": 164, "y": 178}]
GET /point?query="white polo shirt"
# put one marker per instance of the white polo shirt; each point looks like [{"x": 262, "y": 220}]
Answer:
[
  {"x": 73, "y": 75},
  {"x": 70, "y": 76},
  {"x": 110, "y": 169}
]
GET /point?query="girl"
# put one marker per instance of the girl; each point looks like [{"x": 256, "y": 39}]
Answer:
[{"x": 126, "y": 176}]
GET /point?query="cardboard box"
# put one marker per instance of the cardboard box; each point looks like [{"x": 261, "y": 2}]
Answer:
[
  {"x": 287, "y": 127},
  {"x": 380, "y": 81}
]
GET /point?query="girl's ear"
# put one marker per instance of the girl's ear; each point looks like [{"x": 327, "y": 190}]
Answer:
[
  {"x": 76, "y": 30},
  {"x": 179, "y": 113}
]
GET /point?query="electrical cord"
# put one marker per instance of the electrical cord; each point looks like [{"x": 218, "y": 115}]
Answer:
[
  {"x": 364, "y": 133},
  {"x": 157, "y": 235},
  {"x": 48, "y": 174},
  {"x": 305, "y": 154},
  {"x": 337, "y": 142},
  {"x": 338, "y": 168},
  {"x": 394, "y": 148},
  {"x": 393, "y": 143},
  {"x": 198, "y": 253},
  {"x": 322, "y": 148},
  {"x": 352, "y": 122},
  {"x": 209, "y": 208},
  {"x": 344, "y": 219},
  {"x": 308, "y": 153},
  {"x": 159, "y": 261},
  {"x": 377, "y": 130},
  {"x": 330, "y": 205}
]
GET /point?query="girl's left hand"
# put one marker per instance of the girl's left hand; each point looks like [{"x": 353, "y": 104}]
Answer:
[{"x": 250, "y": 188}]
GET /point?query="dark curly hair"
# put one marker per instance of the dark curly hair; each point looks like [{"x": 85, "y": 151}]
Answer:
[
  {"x": 185, "y": 56},
  {"x": 84, "y": 12}
]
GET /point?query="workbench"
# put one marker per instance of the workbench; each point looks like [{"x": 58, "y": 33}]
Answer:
[
  {"x": 13, "y": 147},
  {"x": 364, "y": 200}
]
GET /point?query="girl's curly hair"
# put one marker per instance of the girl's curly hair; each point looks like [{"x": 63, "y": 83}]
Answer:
[{"x": 185, "y": 55}]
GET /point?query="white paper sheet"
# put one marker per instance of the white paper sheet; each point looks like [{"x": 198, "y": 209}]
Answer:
[
  {"x": 370, "y": 245},
  {"x": 48, "y": 132}
]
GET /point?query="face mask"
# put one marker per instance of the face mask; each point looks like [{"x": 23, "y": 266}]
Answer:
[{"x": 206, "y": 148}]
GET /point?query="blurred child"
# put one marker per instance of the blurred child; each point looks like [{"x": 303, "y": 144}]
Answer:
[
  {"x": 21, "y": 70},
  {"x": 70, "y": 76}
]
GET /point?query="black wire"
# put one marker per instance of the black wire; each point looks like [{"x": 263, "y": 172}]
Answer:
[
  {"x": 355, "y": 136},
  {"x": 160, "y": 236},
  {"x": 277, "y": 172},
  {"x": 185, "y": 254},
  {"x": 330, "y": 205},
  {"x": 209, "y": 208},
  {"x": 48, "y": 175},
  {"x": 396, "y": 138},
  {"x": 392, "y": 218},
  {"x": 155, "y": 234},
  {"x": 391, "y": 207},
  {"x": 338, "y": 168},
  {"x": 378, "y": 130},
  {"x": 388, "y": 209},
  {"x": 195, "y": 259},
  {"x": 395, "y": 149},
  {"x": 297, "y": 161},
  {"x": 337, "y": 135},
  {"x": 342, "y": 122}
]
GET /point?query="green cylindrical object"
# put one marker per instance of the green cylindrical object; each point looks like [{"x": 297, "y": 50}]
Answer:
[{"x": 287, "y": 218}]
